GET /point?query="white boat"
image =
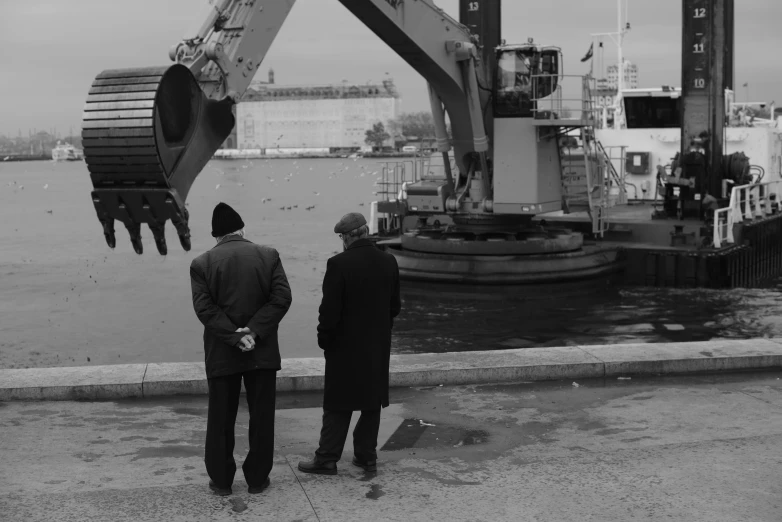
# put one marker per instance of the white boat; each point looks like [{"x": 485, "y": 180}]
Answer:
[
  {"x": 640, "y": 128},
  {"x": 67, "y": 152},
  {"x": 649, "y": 141}
]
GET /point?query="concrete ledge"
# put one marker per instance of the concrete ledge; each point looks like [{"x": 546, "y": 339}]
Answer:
[
  {"x": 73, "y": 383},
  {"x": 695, "y": 357},
  {"x": 533, "y": 364},
  {"x": 303, "y": 374},
  {"x": 175, "y": 379},
  {"x": 431, "y": 369}
]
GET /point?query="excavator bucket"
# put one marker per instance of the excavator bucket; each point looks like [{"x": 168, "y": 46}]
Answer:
[{"x": 146, "y": 134}]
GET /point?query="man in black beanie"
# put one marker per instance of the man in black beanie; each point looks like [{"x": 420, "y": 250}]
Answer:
[{"x": 240, "y": 294}]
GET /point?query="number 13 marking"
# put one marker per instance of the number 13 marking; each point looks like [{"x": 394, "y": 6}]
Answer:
[{"x": 473, "y": 6}]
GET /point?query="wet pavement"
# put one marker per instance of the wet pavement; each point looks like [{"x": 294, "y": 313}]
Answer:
[{"x": 679, "y": 448}]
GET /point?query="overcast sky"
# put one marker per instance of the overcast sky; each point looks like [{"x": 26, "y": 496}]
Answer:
[{"x": 53, "y": 49}]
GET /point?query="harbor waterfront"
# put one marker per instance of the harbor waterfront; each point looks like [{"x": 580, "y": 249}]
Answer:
[{"x": 68, "y": 300}]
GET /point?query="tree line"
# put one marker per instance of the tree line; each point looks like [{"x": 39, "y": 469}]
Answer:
[{"x": 408, "y": 126}]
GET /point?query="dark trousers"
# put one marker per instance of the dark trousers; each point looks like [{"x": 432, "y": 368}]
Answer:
[
  {"x": 335, "y": 432},
  {"x": 223, "y": 405}
]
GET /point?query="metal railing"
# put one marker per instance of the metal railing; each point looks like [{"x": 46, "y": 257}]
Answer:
[
  {"x": 747, "y": 202},
  {"x": 547, "y": 91},
  {"x": 395, "y": 174},
  {"x": 617, "y": 179}
]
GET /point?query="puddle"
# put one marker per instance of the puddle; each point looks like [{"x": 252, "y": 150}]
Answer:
[
  {"x": 374, "y": 492},
  {"x": 418, "y": 433},
  {"x": 368, "y": 476},
  {"x": 168, "y": 452},
  {"x": 198, "y": 412},
  {"x": 238, "y": 505}
]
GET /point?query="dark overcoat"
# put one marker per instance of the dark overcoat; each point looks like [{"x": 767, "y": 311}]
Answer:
[
  {"x": 239, "y": 284},
  {"x": 360, "y": 300}
]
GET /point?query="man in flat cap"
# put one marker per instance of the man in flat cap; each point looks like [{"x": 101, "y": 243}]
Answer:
[
  {"x": 360, "y": 300},
  {"x": 240, "y": 294}
]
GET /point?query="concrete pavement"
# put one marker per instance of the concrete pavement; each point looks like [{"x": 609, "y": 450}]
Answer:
[
  {"x": 306, "y": 374},
  {"x": 691, "y": 448}
]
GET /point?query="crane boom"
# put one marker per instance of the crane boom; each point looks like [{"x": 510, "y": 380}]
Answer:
[
  {"x": 149, "y": 132},
  {"x": 441, "y": 50},
  {"x": 437, "y": 46},
  {"x": 226, "y": 50}
]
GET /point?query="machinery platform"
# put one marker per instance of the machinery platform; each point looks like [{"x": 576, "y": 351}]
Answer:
[
  {"x": 677, "y": 253},
  {"x": 633, "y": 223}
]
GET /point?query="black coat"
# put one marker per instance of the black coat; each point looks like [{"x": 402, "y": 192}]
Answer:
[
  {"x": 360, "y": 300},
  {"x": 239, "y": 284}
]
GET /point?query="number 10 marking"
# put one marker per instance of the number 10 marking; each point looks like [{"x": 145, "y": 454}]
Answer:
[{"x": 700, "y": 83}]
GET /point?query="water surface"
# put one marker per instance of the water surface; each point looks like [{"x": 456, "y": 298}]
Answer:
[{"x": 67, "y": 299}]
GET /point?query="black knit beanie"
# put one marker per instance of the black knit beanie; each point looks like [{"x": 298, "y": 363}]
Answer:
[{"x": 225, "y": 220}]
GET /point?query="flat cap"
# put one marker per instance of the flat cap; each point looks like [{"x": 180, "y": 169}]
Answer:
[{"x": 349, "y": 222}]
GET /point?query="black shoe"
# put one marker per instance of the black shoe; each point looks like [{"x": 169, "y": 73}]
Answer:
[
  {"x": 223, "y": 492},
  {"x": 259, "y": 489},
  {"x": 320, "y": 468},
  {"x": 370, "y": 465}
]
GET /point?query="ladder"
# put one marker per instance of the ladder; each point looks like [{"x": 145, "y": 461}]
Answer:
[
  {"x": 584, "y": 187},
  {"x": 597, "y": 186},
  {"x": 615, "y": 178}
]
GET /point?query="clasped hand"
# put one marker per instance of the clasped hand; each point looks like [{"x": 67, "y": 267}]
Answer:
[{"x": 248, "y": 341}]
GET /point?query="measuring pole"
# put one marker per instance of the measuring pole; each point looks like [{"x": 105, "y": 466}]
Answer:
[
  {"x": 620, "y": 79},
  {"x": 484, "y": 19},
  {"x": 705, "y": 52}
]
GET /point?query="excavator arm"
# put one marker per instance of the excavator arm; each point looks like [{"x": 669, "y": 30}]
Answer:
[{"x": 147, "y": 133}]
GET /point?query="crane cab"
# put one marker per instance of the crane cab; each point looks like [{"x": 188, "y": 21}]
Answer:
[
  {"x": 524, "y": 73},
  {"x": 526, "y": 167}
]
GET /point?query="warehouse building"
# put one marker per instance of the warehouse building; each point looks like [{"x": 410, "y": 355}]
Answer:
[{"x": 312, "y": 118}]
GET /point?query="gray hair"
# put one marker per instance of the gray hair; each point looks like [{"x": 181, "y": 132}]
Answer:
[
  {"x": 239, "y": 233},
  {"x": 358, "y": 233}
]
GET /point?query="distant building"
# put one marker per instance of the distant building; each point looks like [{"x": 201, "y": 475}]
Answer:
[
  {"x": 312, "y": 117},
  {"x": 607, "y": 87},
  {"x": 630, "y": 75}
]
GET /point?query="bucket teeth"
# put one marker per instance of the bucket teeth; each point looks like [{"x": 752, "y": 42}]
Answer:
[
  {"x": 185, "y": 242},
  {"x": 134, "y": 229},
  {"x": 158, "y": 232},
  {"x": 147, "y": 133},
  {"x": 108, "y": 233}
]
